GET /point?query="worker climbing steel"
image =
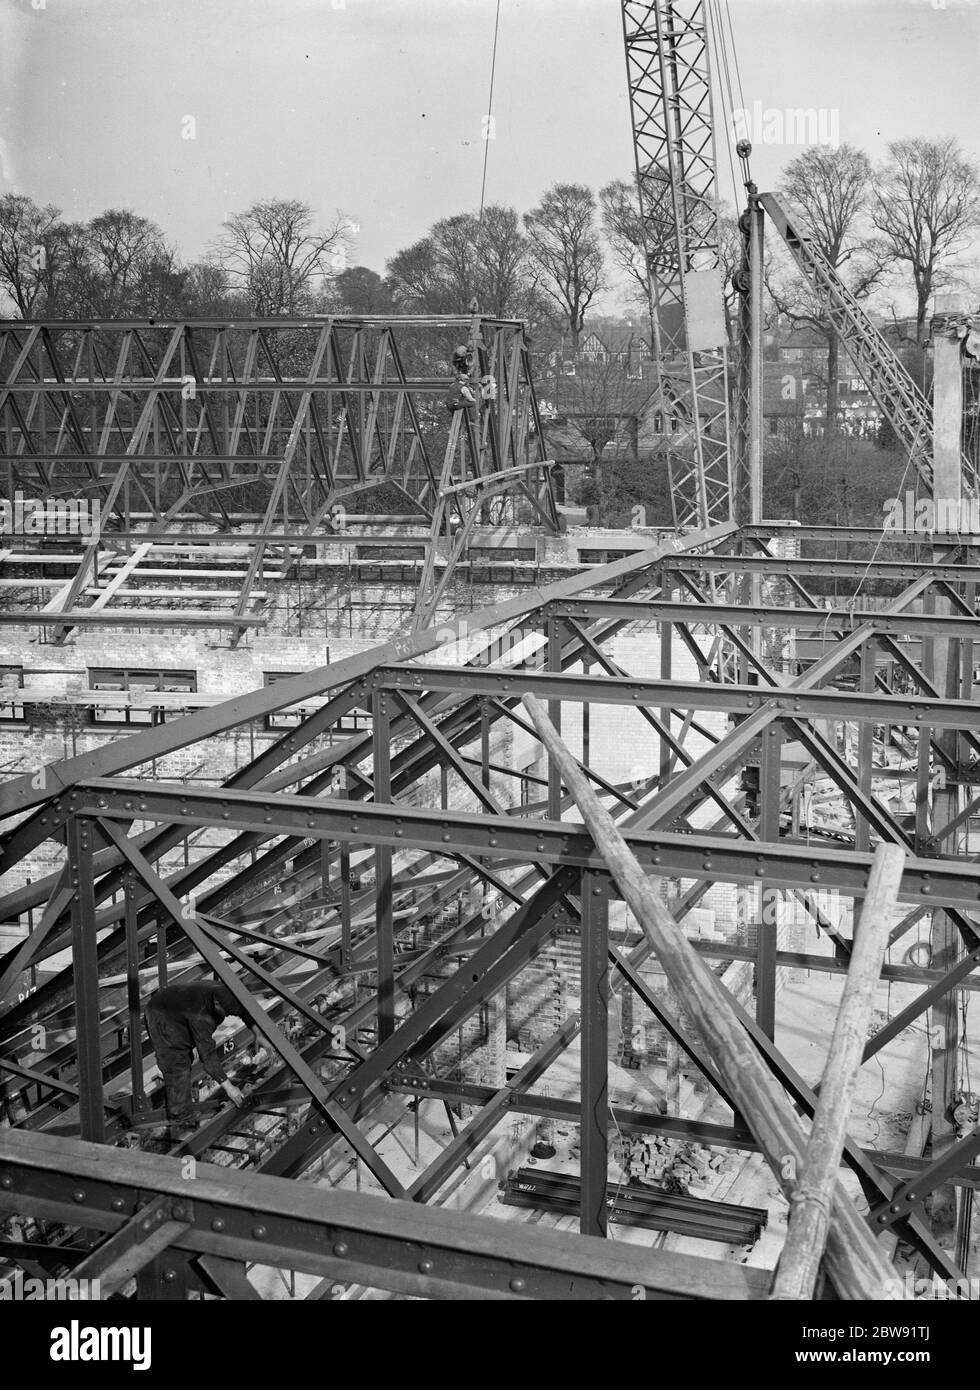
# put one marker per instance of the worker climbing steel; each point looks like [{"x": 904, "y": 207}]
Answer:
[{"x": 180, "y": 1018}]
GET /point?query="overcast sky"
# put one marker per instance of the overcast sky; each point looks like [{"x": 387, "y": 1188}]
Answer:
[{"x": 375, "y": 106}]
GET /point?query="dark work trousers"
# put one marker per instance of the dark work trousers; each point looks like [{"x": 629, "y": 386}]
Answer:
[{"x": 175, "y": 1054}]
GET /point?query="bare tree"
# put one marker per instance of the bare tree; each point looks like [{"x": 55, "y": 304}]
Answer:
[
  {"x": 828, "y": 188},
  {"x": 622, "y": 224},
  {"x": 508, "y": 281},
  {"x": 276, "y": 257},
  {"x": 567, "y": 249},
  {"x": 415, "y": 278},
  {"x": 926, "y": 204},
  {"x": 26, "y": 232},
  {"x": 466, "y": 258},
  {"x": 127, "y": 267},
  {"x": 605, "y": 401}
]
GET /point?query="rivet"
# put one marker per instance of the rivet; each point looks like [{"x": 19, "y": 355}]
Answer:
[
  {"x": 217, "y": 1224},
  {"x": 340, "y": 1249},
  {"x": 425, "y": 1266},
  {"x": 78, "y": 1195},
  {"x": 169, "y": 1275},
  {"x": 259, "y": 1232},
  {"x": 117, "y": 1204},
  {"x": 6, "y": 1181},
  {"x": 518, "y": 1285}
]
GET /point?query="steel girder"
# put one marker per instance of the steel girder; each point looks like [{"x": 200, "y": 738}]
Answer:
[
  {"x": 282, "y": 802},
  {"x": 350, "y": 1238}
]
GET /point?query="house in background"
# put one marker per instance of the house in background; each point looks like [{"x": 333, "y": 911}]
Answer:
[{"x": 801, "y": 353}]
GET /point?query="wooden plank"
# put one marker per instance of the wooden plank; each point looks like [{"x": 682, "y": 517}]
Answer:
[
  {"x": 809, "y": 1218},
  {"x": 855, "y": 1262}
]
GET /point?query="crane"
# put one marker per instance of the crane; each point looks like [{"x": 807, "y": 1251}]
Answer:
[{"x": 715, "y": 475}]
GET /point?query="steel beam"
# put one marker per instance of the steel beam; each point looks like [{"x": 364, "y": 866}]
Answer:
[{"x": 353, "y": 1237}]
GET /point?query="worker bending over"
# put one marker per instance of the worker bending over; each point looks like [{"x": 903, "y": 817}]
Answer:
[{"x": 180, "y": 1018}]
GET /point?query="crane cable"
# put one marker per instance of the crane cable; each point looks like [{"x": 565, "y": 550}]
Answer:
[
  {"x": 726, "y": 58},
  {"x": 487, "y": 133}
]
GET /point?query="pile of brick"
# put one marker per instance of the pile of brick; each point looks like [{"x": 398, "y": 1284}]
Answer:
[{"x": 673, "y": 1163}]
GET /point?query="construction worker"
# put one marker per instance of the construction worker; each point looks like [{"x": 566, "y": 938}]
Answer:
[
  {"x": 462, "y": 359},
  {"x": 180, "y": 1018}
]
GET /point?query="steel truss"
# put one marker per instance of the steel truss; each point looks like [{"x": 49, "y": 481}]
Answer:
[
  {"x": 348, "y": 832},
  {"x": 269, "y": 428}
]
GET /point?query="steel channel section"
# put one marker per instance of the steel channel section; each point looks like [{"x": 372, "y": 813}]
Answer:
[
  {"x": 910, "y": 1195},
  {"x": 594, "y": 1119},
  {"x": 769, "y": 806},
  {"x": 643, "y": 693},
  {"x": 85, "y": 971},
  {"x": 797, "y": 619},
  {"x": 524, "y": 1102},
  {"x": 385, "y": 930},
  {"x": 352, "y": 1237},
  {"x": 716, "y": 858}
]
